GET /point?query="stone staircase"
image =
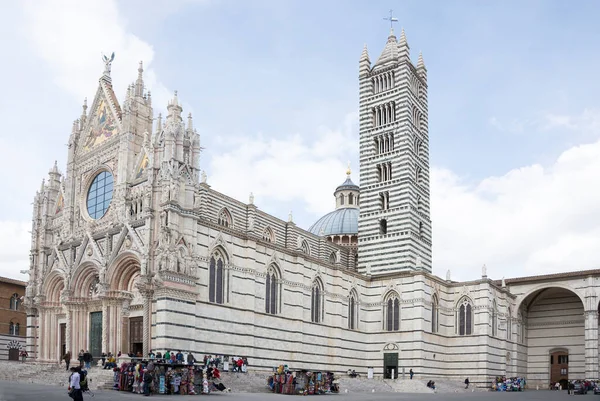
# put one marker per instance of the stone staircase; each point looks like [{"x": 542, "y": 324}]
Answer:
[{"x": 49, "y": 374}]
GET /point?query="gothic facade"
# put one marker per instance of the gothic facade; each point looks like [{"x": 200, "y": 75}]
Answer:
[{"x": 133, "y": 250}]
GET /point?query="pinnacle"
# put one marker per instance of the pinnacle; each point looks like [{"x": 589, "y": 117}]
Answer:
[
  {"x": 365, "y": 54},
  {"x": 403, "y": 41},
  {"x": 420, "y": 63}
]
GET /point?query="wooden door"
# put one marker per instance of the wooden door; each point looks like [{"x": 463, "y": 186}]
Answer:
[
  {"x": 559, "y": 366},
  {"x": 136, "y": 334}
]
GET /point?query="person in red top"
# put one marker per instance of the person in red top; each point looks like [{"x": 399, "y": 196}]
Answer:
[{"x": 239, "y": 364}]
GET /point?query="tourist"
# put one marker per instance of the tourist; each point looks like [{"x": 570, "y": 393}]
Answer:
[
  {"x": 467, "y": 383},
  {"x": 111, "y": 363},
  {"x": 151, "y": 355},
  {"x": 67, "y": 358},
  {"x": 179, "y": 357},
  {"x": 87, "y": 358},
  {"x": 173, "y": 358},
  {"x": 80, "y": 358},
  {"x": 24, "y": 355},
  {"x": 147, "y": 381},
  {"x": 190, "y": 359},
  {"x": 103, "y": 356},
  {"x": 411, "y": 374},
  {"x": 159, "y": 355},
  {"x": 74, "y": 386},
  {"x": 167, "y": 356}
]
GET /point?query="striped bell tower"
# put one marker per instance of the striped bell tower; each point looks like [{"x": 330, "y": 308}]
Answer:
[{"x": 394, "y": 226}]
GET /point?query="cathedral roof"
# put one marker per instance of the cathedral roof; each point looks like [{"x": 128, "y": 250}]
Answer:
[
  {"x": 347, "y": 185},
  {"x": 340, "y": 221}
]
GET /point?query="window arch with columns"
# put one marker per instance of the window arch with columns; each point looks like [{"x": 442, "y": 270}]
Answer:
[
  {"x": 353, "y": 310},
  {"x": 15, "y": 301},
  {"x": 435, "y": 313},
  {"x": 316, "y": 301},
  {"x": 217, "y": 277},
  {"x": 273, "y": 290},
  {"x": 464, "y": 316},
  {"x": 225, "y": 219},
  {"x": 391, "y": 311}
]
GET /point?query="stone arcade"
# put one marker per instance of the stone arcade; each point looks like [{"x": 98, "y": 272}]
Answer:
[{"x": 133, "y": 250}]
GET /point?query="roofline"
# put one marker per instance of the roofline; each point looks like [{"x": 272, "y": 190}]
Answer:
[
  {"x": 526, "y": 279},
  {"x": 12, "y": 281}
]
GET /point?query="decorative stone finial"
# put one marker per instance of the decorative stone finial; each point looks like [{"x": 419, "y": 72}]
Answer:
[
  {"x": 483, "y": 271},
  {"x": 290, "y": 217},
  {"x": 190, "y": 126},
  {"x": 448, "y": 275},
  {"x": 503, "y": 283},
  {"x": 251, "y": 198},
  {"x": 204, "y": 177},
  {"x": 85, "y": 105},
  {"x": 159, "y": 123},
  {"x": 348, "y": 170}
]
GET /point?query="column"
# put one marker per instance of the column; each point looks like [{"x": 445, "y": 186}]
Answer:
[
  {"x": 124, "y": 337},
  {"x": 591, "y": 344},
  {"x": 68, "y": 328},
  {"x": 105, "y": 325},
  {"x": 147, "y": 319}
]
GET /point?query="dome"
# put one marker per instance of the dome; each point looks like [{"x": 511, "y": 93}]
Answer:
[{"x": 340, "y": 221}]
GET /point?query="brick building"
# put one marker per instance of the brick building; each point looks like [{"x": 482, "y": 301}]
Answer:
[{"x": 12, "y": 317}]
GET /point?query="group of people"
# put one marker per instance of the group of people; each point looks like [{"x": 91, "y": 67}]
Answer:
[{"x": 84, "y": 357}]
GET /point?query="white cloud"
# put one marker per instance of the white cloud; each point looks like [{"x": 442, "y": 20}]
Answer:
[
  {"x": 530, "y": 221},
  {"x": 585, "y": 122},
  {"x": 15, "y": 241},
  {"x": 287, "y": 168},
  {"x": 70, "y": 36}
]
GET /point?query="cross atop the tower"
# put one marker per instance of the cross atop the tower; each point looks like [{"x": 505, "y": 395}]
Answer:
[{"x": 391, "y": 19}]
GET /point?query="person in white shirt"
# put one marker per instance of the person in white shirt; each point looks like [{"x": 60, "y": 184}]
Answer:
[{"x": 74, "y": 384}]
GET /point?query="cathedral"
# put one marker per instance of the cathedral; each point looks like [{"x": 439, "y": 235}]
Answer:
[{"x": 132, "y": 250}]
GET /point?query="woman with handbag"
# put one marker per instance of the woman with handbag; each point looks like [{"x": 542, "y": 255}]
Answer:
[{"x": 74, "y": 386}]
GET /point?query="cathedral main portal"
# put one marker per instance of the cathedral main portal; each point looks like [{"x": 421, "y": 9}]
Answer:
[{"x": 96, "y": 334}]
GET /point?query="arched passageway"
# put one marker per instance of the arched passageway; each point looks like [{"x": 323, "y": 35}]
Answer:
[{"x": 552, "y": 336}]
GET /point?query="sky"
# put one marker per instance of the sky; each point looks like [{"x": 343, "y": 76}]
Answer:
[{"x": 514, "y": 116}]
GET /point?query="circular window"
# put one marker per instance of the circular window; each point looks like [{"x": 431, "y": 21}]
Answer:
[{"x": 99, "y": 195}]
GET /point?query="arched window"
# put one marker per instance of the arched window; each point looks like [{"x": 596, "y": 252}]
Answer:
[
  {"x": 316, "y": 302},
  {"x": 268, "y": 235},
  {"x": 350, "y": 199},
  {"x": 464, "y": 318},
  {"x": 13, "y": 329},
  {"x": 392, "y": 312},
  {"x": 271, "y": 291},
  {"x": 509, "y": 324},
  {"x": 216, "y": 278},
  {"x": 225, "y": 218},
  {"x": 494, "y": 319},
  {"x": 305, "y": 248},
  {"x": 353, "y": 310},
  {"x": 332, "y": 258},
  {"x": 342, "y": 199},
  {"x": 14, "y": 301},
  {"x": 434, "y": 314}
]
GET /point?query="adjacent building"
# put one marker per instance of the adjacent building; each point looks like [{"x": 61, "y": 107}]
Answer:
[{"x": 12, "y": 318}]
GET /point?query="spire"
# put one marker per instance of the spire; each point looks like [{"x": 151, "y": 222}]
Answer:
[
  {"x": 159, "y": 123},
  {"x": 149, "y": 98},
  {"x": 190, "y": 125},
  {"x": 174, "y": 108},
  {"x": 421, "y": 69},
  {"x": 403, "y": 48},
  {"x": 139, "y": 83},
  {"x": 364, "y": 64},
  {"x": 348, "y": 171},
  {"x": 421, "y": 63},
  {"x": 390, "y": 51}
]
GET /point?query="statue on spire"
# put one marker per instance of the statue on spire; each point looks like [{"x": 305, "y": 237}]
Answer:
[{"x": 107, "y": 62}]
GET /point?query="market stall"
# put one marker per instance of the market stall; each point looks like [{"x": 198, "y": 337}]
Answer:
[
  {"x": 285, "y": 381},
  {"x": 501, "y": 383}
]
